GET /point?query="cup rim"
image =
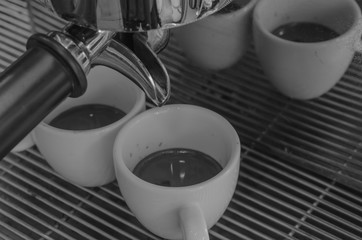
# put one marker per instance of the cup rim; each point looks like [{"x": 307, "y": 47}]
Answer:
[
  {"x": 249, "y": 5},
  {"x": 243, "y": 10},
  {"x": 344, "y": 35},
  {"x": 234, "y": 161},
  {"x": 137, "y": 107}
]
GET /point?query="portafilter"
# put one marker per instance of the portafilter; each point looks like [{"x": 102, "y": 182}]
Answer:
[{"x": 124, "y": 35}]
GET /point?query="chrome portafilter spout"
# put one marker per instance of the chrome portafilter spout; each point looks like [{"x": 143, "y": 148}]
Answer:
[
  {"x": 120, "y": 51},
  {"x": 124, "y": 35},
  {"x": 134, "y": 55}
]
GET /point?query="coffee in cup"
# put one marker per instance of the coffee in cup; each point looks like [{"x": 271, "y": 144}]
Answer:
[
  {"x": 177, "y": 167},
  {"x": 87, "y": 117},
  {"x": 305, "y": 32}
]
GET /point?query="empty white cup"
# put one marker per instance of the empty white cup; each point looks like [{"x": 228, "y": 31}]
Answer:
[{"x": 219, "y": 40}]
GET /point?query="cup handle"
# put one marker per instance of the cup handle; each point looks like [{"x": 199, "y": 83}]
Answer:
[
  {"x": 193, "y": 223},
  {"x": 25, "y": 143}
]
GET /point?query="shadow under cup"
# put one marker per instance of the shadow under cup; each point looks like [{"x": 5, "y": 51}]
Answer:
[
  {"x": 85, "y": 157},
  {"x": 306, "y": 70},
  {"x": 177, "y": 126}
]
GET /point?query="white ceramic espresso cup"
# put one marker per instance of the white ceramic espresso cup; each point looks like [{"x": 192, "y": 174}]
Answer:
[
  {"x": 178, "y": 212},
  {"x": 306, "y": 70},
  {"x": 85, "y": 157},
  {"x": 219, "y": 40}
]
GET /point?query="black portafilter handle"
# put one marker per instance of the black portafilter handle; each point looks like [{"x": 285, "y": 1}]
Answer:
[{"x": 33, "y": 86}]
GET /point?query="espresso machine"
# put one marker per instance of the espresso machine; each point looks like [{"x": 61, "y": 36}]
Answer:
[{"x": 125, "y": 35}]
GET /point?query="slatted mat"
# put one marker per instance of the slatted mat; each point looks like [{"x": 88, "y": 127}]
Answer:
[{"x": 301, "y": 171}]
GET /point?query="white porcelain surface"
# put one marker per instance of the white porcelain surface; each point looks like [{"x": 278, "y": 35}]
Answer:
[
  {"x": 165, "y": 210},
  {"x": 86, "y": 157},
  {"x": 306, "y": 70},
  {"x": 25, "y": 143},
  {"x": 218, "y": 41}
]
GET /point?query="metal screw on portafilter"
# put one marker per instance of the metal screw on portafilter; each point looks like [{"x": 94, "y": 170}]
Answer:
[{"x": 111, "y": 33}]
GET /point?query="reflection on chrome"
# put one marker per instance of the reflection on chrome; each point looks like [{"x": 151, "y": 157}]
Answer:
[{"x": 132, "y": 15}]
